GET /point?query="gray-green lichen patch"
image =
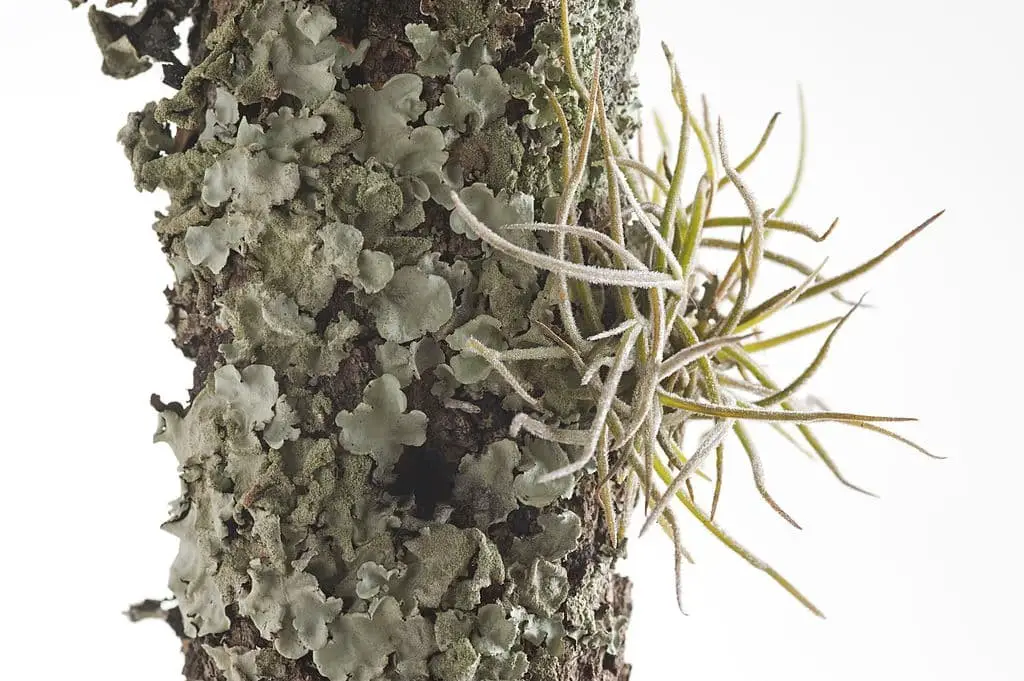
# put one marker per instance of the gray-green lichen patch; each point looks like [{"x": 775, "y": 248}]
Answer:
[
  {"x": 249, "y": 176},
  {"x": 431, "y": 49},
  {"x": 144, "y": 139},
  {"x": 373, "y": 580},
  {"x": 496, "y": 212},
  {"x": 558, "y": 537},
  {"x": 289, "y": 608},
  {"x": 363, "y": 644},
  {"x": 412, "y": 304},
  {"x": 467, "y": 366},
  {"x": 199, "y": 594},
  {"x": 493, "y": 156},
  {"x": 450, "y": 566},
  {"x": 249, "y": 395},
  {"x": 282, "y": 427},
  {"x": 210, "y": 245},
  {"x": 235, "y": 663},
  {"x": 292, "y": 50},
  {"x": 544, "y": 631},
  {"x": 416, "y": 154},
  {"x": 343, "y": 249},
  {"x": 472, "y": 102},
  {"x": 273, "y": 329},
  {"x": 495, "y": 633},
  {"x": 542, "y": 586},
  {"x": 409, "y": 362},
  {"x": 222, "y": 117},
  {"x": 542, "y": 457},
  {"x": 290, "y": 256},
  {"x": 380, "y": 426},
  {"x": 491, "y": 20},
  {"x": 332, "y": 302},
  {"x": 459, "y": 662},
  {"x": 484, "y": 484}
]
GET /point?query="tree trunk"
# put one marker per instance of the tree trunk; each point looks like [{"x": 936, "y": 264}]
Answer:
[{"x": 353, "y": 503}]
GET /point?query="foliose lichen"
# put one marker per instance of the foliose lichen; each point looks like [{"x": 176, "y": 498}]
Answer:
[{"x": 309, "y": 229}]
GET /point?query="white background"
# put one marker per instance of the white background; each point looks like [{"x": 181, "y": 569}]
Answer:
[{"x": 913, "y": 106}]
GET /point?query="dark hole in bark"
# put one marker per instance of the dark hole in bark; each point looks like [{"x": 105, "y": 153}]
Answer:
[
  {"x": 426, "y": 475},
  {"x": 232, "y": 528}
]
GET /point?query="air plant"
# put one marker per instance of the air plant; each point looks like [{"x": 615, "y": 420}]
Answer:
[{"x": 672, "y": 359}]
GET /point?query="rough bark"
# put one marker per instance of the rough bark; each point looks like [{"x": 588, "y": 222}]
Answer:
[{"x": 353, "y": 505}]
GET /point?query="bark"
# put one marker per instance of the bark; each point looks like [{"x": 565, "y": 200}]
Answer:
[{"x": 353, "y": 505}]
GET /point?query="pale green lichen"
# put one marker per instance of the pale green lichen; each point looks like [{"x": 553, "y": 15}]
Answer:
[
  {"x": 380, "y": 426},
  {"x": 292, "y": 41},
  {"x": 222, "y": 118},
  {"x": 470, "y": 367},
  {"x": 471, "y": 54},
  {"x": 458, "y": 274},
  {"x": 543, "y": 457},
  {"x": 416, "y": 155},
  {"x": 542, "y": 586},
  {"x": 288, "y": 607},
  {"x": 544, "y": 631},
  {"x": 385, "y": 115},
  {"x": 373, "y": 580},
  {"x": 202, "y": 588},
  {"x": 397, "y": 360},
  {"x": 339, "y": 132},
  {"x": 370, "y": 270},
  {"x": 493, "y": 156},
  {"x": 310, "y": 236},
  {"x": 458, "y": 663},
  {"x": 409, "y": 362},
  {"x": 451, "y": 626},
  {"x": 250, "y": 394},
  {"x": 248, "y": 176},
  {"x": 584, "y": 618},
  {"x": 495, "y": 634},
  {"x": 308, "y": 216},
  {"x": 291, "y": 137},
  {"x": 273, "y": 329},
  {"x": 195, "y": 435},
  {"x": 510, "y": 667},
  {"x": 144, "y": 139},
  {"x": 484, "y": 484},
  {"x": 283, "y": 426},
  {"x": 362, "y": 644},
  {"x": 366, "y": 196},
  {"x": 236, "y": 664},
  {"x": 497, "y": 212},
  {"x": 431, "y": 50},
  {"x": 558, "y": 537},
  {"x": 451, "y": 565},
  {"x": 290, "y": 256},
  {"x": 193, "y": 581},
  {"x": 210, "y": 245},
  {"x": 472, "y": 102},
  {"x": 412, "y": 304}
]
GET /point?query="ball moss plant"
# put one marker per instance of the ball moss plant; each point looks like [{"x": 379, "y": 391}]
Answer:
[{"x": 660, "y": 353}]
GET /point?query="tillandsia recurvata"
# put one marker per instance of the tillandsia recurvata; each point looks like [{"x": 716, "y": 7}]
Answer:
[{"x": 659, "y": 355}]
